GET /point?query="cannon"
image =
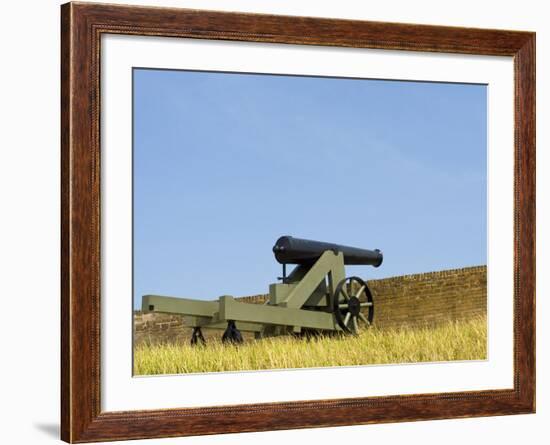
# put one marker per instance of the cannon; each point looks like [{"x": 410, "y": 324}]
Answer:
[
  {"x": 315, "y": 297},
  {"x": 289, "y": 250}
]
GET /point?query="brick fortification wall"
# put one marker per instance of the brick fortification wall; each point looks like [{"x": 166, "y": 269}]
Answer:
[
  {"x": 406, "y": 301},
  {"x": 430, "y": 298}
]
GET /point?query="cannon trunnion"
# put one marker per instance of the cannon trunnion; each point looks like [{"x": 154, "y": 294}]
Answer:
[{"x": 315, "y": 296}]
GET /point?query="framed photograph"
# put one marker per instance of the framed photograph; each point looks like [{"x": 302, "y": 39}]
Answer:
[{"x": 274, "y": 222}]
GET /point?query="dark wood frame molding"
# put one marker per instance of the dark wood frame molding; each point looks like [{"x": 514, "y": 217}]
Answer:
[{"x": 82, "y": 25}]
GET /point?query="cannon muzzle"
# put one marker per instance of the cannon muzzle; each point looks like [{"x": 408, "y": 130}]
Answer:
[{"x": 289, "y": 250}]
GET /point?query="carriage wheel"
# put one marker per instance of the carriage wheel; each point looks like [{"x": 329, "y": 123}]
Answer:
[
  {"x": 352, "y": 305},
  {"x": 232, "y": 334},
  {"x": 197, "y": 337}
]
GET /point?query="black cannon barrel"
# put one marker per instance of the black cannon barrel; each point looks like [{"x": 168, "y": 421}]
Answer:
[{"x": 290, "y": 250}]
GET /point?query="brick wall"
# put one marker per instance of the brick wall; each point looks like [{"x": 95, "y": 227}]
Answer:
[
  {"x": 160, "y": 328},
  {"x": 405, "y": 301},
  {"x": 430, "y": 298}
]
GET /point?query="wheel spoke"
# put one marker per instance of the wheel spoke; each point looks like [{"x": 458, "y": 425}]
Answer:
[
  {"x": 363, "y": 318},
  {"x": 355, "y": 325},
  {"x": 361, "y": 289},
  {"x": 368, "y": 303},
  {"x": 344, "y": 293},
  {"x": 346, "y": 319},
  {"x": 343, "y": 306}
]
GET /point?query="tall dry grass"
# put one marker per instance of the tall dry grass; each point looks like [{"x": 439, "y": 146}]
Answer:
[{"x": 451, "y": 341}]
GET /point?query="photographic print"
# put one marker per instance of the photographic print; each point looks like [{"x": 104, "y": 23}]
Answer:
[
  {"x": 284, "y": 221},
  {"x": 260, "y": 211}
]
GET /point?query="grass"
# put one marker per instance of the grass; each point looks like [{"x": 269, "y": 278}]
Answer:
[{"x": 451, "y": 341}]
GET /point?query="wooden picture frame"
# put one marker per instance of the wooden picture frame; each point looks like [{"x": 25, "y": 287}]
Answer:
[{"x": 82, "y": 25}]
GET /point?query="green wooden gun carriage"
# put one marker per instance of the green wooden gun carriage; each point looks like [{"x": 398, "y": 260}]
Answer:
[{"x": 315, "y": 297}]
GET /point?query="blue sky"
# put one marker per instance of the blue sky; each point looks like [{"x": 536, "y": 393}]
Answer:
[{"x": 226, "y": 163}]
